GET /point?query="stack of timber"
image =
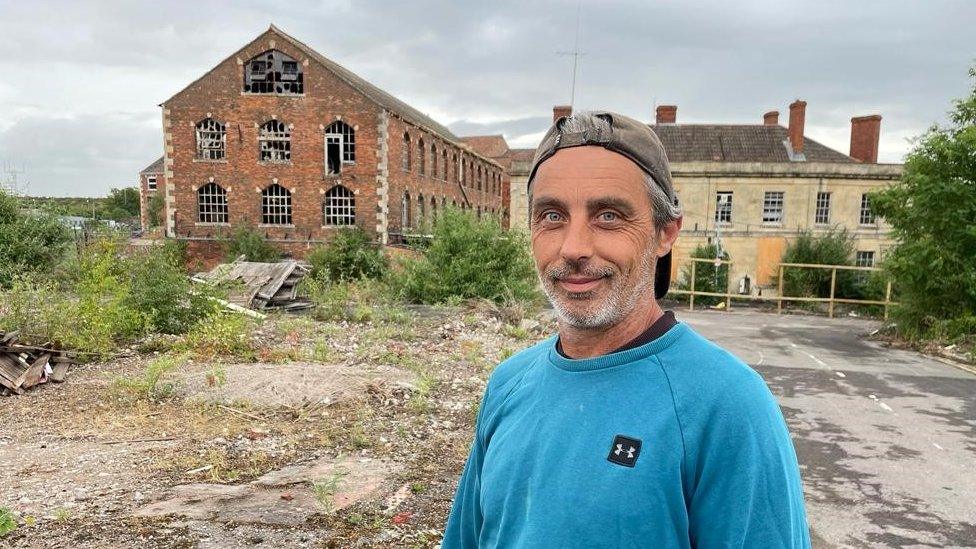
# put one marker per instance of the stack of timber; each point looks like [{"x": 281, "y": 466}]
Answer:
[
  {"x": 24, "y": 366},
  {"x": 262, "y": 286}
]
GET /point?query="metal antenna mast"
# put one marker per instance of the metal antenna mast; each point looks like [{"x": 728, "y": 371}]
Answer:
[{"x": 576, "y": 56}]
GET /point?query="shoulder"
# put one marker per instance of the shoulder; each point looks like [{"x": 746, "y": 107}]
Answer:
[{"x": 510, "y": 371}]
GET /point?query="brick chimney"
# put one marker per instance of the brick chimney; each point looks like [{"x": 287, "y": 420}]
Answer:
[
  {"x": 771, "y": 118},
  {"x": 560, "y": 111},
  {"x": 865, "y": 132},
  {"x": 667, "y": 114},
  {"x": 798, "y": 114}
]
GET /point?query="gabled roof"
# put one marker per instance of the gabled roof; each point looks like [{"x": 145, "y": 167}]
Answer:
[
  {"x": 492, "y": 146},
  {"x": 737, "y": 143},
  {"x": 155, "y": 167},
  {"x": 372, "y": 92}
]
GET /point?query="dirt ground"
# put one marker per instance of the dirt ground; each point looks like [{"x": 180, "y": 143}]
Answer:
[{"x": 335, "y": 434}]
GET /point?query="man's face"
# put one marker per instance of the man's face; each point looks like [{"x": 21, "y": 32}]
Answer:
[{"x": 593, "y": 236}]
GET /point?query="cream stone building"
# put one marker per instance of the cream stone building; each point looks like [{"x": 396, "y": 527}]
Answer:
[{"x": 753, "y": 188}]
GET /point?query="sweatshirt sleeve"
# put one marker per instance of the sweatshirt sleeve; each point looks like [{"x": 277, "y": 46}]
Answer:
[
  {"x": 746, "y": 490},
  {"x": 464, "y": 523}
]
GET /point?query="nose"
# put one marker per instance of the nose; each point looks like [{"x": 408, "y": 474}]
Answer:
[{"x": 578, "y": 242}]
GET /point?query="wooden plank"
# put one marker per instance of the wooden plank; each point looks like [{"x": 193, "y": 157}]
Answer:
[
  {"x": 36, "y": 371},
  {"x": 11, "y": 371},
  {"x": 60, "y": 372},
  {"x": 284, "y": 270},
  {"x": 8, "y": 337}
]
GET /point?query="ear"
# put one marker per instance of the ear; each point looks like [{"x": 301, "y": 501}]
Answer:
[{"x": 667, "y": 235}]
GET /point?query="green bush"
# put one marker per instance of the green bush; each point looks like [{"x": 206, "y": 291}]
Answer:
[
  {"x": 106, "y": 297},
  {"x": 469, "y": 258},
  {"x": 155, "y": 210},
  {"x": 835, "y": 247},
  {"x": 29, "y": 242},
  {"x": 8, "y": 523},
  {"x": 250, "y": 244},
  {"x": 708, "y": 278},
  {"x": 357, "y": 301},
  {"x": 350, "y": 255}
]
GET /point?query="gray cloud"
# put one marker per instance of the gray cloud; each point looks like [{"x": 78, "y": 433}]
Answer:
[{"x": 87, "y": 118}]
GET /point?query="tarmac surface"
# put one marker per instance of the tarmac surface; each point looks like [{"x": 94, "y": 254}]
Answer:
[{"x": 886, "y": 438}]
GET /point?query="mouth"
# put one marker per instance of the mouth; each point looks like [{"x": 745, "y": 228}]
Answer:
[{"x": 579, "y": 285}]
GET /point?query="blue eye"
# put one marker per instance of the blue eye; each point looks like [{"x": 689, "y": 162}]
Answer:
[
  {"x": 608, "y": 216},
  {"x": 550, "y": 216}
]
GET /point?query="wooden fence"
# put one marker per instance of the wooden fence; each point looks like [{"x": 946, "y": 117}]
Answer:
[{"x": 779, "y": 299}]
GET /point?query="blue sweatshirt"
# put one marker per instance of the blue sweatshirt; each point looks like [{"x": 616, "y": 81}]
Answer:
[{"x": 675, "y": 443}]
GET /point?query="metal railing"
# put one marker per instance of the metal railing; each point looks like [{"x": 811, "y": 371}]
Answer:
[{"x": 779, "y": 299}]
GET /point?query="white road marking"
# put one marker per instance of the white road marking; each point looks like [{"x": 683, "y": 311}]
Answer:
[
  {"x": 840, "y": 374},
  {"x": 793, "y": 344},
  {"x": 815, "y": 359},
  {"x": 885, "y": 406},
  {"x": 762, "y": 358},
  {"x": 937, "y": 446}
]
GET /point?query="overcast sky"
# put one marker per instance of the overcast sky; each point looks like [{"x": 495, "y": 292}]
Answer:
[{"x": 82, "y": 80}]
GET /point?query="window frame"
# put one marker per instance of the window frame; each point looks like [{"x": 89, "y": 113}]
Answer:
[
  {"x": 271, "y": 218},
  {"x": 217, "y": 133},
  {"x": 213, "y": 207},
  {"x": 720, "y": 213},
  {"x": 267, "y": 137},
  {"x": 866, "y": 218},
  {"x": 821, "y": 212},
  {"x": 771, "y": 199},
  {"x": 339, "y": 204}
]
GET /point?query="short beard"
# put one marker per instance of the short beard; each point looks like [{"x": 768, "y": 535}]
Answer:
[{"x": 618, "y": 304}]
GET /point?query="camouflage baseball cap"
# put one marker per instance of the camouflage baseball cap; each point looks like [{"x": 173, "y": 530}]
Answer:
[{"x": 623, "y": 135}]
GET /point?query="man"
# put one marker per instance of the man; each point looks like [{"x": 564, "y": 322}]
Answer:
[{"x": 628, "y": 429}]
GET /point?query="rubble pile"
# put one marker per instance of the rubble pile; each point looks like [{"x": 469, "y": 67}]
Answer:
[{"x": 24, "y": 366}]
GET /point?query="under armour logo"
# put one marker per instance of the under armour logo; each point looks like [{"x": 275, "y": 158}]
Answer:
[
  {"x": 630, "y": 451},
  {"x": 624, "y": 451}
]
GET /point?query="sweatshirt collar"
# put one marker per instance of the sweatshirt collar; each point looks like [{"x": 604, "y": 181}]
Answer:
[{"x": 652, "y": 347}]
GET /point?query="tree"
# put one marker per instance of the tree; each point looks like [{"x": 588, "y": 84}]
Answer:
[
  {"x": 835, "y": 247},
  {"x": 932, "y": 212},
  {"x": 122, "y": 204},
  {"x": 708, "y": 277}
]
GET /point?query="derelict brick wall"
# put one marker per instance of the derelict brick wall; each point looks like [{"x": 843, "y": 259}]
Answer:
[
  {"x": 326, "y": 99},
  {"x": 145, "y": 195},
  {"x": 437, "y": 184}
]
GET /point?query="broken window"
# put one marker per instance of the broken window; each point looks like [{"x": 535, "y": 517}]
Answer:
[
  {"x": 479, "y": 179},
  {"x": 822, "y": 215},
  {"x": 212, "y": 204},
  {"x": 405, "y": 210},
  {"x": 211, "y": 140},
  {"x": 452, "y": 173},
  {"x": 773, "y": 207},
  {"x": 406, "y": 152},
  {"x": 276, "y": 206},
  {"x": 340, "y": 146},
  {"x": 433, "y": 208},
  {"x": 421, "y": 209},
  {"x": 273, "y": 72},
  {"x": 151, "y": 182},
  {"x": 433, "y": 160},
  {"x": 421, "y": 156},
  {"x": 444, "y": 161},
  {"x": 867, "y": 216},
  {"x": 340, "y": 206},
  {"x": 275, "y": 138},
  {"x": 723, "y": 207}
]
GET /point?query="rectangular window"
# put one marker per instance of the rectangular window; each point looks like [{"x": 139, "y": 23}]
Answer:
[
  {"x": 333, "y": 153},
  {"x": 723, "y": 207},
  {"x": 864, "y": 259},
  {"x": 822, "y": 216},
  {"x": 151, "y": 182},
  {"x": 867, "y": 216},
  {"x": 773, "y": 207}
]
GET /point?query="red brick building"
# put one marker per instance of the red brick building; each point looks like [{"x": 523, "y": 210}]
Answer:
[
  {"x": 151, "y": 183},
  {"x": 281, "y": 139}
]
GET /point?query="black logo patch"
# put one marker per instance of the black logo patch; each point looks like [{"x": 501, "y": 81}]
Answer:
[{"x": 624, "y": 451}]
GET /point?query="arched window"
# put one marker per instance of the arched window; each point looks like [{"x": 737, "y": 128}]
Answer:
[
  {"x": 211, "y": 140},
  {"x": 433, "y": 160},
  {"x": 275, "y": 141},
  {"x": 340, "y": 146},
  {"x": 212, "y": 204},
  {"x": 421, "y": 156},
  {"x": 453, "y": 173},
  {"x": 478, "y": 212},
  {"x": 406, "y": 152},
  {"x": 433, "y": 208},
  {"x": 454, "y": 203},
  {"x": 405, "y": 210},
  {"x": 276, "y": 205},
  {"x": 339, "y": 207},
  {"x": 273, "y": 72},
  {"x": 480, "y": 177},
  {"x": 445, "y": 168},
  {"x": 421, "y": 209}
]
